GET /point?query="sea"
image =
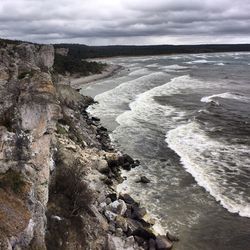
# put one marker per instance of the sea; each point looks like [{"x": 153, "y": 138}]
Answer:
[{"x": 186, "y": 118}]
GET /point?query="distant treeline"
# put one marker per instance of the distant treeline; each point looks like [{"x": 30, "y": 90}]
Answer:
[
  {"x": 84, "y": 51},
  {"x": 75, "y": 65}
]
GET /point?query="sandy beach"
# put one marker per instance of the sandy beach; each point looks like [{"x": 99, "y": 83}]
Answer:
[{"x": 76, "y": 83}]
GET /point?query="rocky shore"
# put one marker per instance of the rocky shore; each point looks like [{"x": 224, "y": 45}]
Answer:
[{"x": 58, "y": 169}]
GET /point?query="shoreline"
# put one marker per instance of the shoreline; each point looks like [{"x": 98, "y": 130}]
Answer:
[
  {"x": 77, "y": 82},
  {"x": 150, "y": 223}
]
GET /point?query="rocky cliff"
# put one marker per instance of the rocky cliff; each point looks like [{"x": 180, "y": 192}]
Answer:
[{"x": 57, "y": 166}]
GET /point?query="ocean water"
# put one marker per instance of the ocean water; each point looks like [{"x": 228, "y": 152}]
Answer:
[{"x": 187, "y": 119}]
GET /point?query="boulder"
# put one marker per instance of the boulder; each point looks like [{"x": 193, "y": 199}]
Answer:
[
  {"x": 152, "y": 244},
  {"x": 172, "y": 237},
  {"x": 118, "y": 207},
  {"x": 143, "y": 179},
  {"x": 112, "y": 196},
  {"x": 102, "y": 167},
  {"x": 130, "y": 242},
  {"x": 127, "y": 166},
  {"x": 133, "y": 225},
  {"x": 119, "y": 232},
  {"x": 144, "y": 233},
  {"x": 96, "y": 119},
  {"x": 138, "y": 212},
  {"x": 128, "y": 199},
  {"x": 112, "y": 227},
  {"x": 108, "y": 182},
  {"x": 163, "y": 243},
  {"x": 121, "y": 222},
  {"x": 108, "y": 201},
  {"x": 128, "y": 159},
  {"x": 110, "y": 215}
]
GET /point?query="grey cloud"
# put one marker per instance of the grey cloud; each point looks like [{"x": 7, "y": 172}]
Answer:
[{"x": 125, "y": 21}]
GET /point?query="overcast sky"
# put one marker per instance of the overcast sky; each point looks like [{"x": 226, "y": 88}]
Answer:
[{"x": 97, "y": 22}]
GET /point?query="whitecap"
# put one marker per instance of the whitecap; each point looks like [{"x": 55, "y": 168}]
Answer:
[
  {"x": 220, "y": 64},
  {"x": 202, "y": 61},
  {"x": 202, "y": 157},
  {"x": 226, "y": 95},
  {"x": 174, "y": 67},
  {"x": 140, "y": 71}
]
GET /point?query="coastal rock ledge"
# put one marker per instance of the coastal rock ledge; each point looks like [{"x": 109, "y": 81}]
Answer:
[{"x": 58, "y": 169}]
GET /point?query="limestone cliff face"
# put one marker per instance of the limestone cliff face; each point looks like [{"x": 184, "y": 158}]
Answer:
[
  {"x": 43, "y": 133},
  {"x": 28, "y": 115}
]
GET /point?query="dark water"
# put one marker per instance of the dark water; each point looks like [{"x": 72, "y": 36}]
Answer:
[{"x": 187, "y": 119}]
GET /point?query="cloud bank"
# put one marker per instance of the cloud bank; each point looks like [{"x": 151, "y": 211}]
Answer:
[{"x": 98, "y": 22}]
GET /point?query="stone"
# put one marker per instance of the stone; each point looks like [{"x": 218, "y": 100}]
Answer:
[
  {"x": 138, "y": 212},
  {"x": 136, "y": 163},
  {"x": 112, "y": 196},
  {"x": 71, "y": 147},
  {"x": 122, "y": 223},
  {"x": 96, "y": 119},
  {"x": 128, "y": 199},
  {"x": 108, "y": 201},
  {"x": 127, "y": 166},
  {"x": 103, "y": 128},
  {"x": 139, "y": 240},
  {"x": 172, "y": 237},
  {"x": 118, "y": 207},
  {"x": 112, "y": 227},
  {"x": 133, "y": 225},
  {"x": 129, "y": 242},
  {"x": 152, "y": 244},
  {"x": 102, "y": 206},
  {"x": 128, "y": 159},
  {"x": 163, "y": 243},
  {"x": 104, "y": 169},
  {"x": 110, "y": 215},
  {"x": 144, "y": 233},
  {"x": 108, "y": 181},
  {"x": 119, "y": 232},
  {"x": 143, "y": 179}
]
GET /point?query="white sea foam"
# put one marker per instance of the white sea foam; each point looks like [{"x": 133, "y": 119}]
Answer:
[
  {"x": 220, "y": 64},
  {"x": 208, "y": 161},
  {"x": 140, "y": 71},
  {"x": 114, "y": 101},
  {"x": 145, "y": 108},
  {"x": 202, "y": 61},
  {"x": 174, "y": 67},
  {"x": 226, "y": 95},
  {"x": 153, "y": 65}
]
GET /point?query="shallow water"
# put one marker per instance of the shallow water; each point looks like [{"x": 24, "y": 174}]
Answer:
[{"x": 187, "y": 119}]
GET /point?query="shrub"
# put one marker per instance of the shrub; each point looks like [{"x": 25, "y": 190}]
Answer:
[
  {"x": 24, "y": 74},
  {"x": 74, "y": 65},
  {"x": 69, "y": 183},
  {"x": 12, "y": 181},
  {"x": 60, "y": 129}
]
